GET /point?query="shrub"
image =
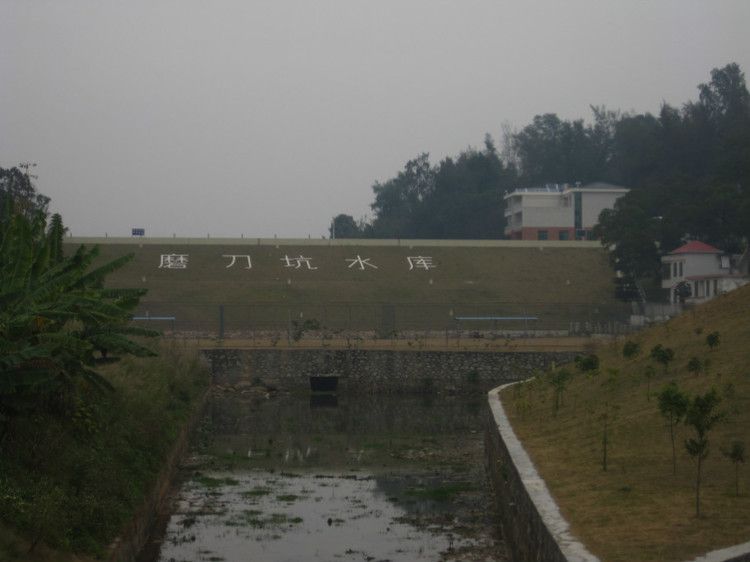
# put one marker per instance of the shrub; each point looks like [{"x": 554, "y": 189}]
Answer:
[
  {"x": 587, "y": 363},
  {"x": 631, "y": 349}
]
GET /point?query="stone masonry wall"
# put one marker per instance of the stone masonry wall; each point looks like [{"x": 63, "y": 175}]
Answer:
[
  {"x": 381, "y": 371},
  {"x": 532, "y": 524}
]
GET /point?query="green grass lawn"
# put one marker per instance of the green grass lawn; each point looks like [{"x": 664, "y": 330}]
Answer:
[
  {"x": 558, "y": 284},
  {"x": 637, "y": 509}
]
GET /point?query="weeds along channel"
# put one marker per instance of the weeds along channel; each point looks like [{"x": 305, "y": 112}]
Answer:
[{"x": 71, "y": 478}]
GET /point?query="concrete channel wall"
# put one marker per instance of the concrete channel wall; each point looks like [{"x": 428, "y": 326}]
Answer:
[
  {"x": 531, "y": 521},
  {"x": 379, "y": 371}
]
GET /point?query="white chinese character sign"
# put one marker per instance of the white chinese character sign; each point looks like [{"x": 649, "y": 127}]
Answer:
[
  {"x": 297, "y": 262},
  {"x": 358, "y": 261},
  {"x": 234, "y": 260},
  {"x": 420, "y": 262},
  {"x": 244, "y": 261},
  {"x": 173, "y": 261}
]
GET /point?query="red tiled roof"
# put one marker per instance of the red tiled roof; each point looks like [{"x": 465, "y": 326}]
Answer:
[{"x": 696, "y": 247}]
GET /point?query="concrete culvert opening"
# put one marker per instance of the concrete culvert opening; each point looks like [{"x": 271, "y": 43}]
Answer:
[{"x": 324, "y": 383}]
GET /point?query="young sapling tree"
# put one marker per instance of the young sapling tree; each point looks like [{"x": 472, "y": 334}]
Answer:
[
  {"x": 673, "y": 404},
  {"x": 712, "y": 340},
  {"x": 702, "y": 415},
  {"x": 695, "y": 366},
  {"x": 662, "y": 355},
  {"x": 649, "y": 373},
  {"x": 610, "y": 409},
  {"x": 736, "y": 454},
  {"x": 559, "y": 380}
]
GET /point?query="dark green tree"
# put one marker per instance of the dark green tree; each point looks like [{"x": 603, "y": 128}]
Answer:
[
  {"x": 637, "y": 149},
  {"x": 397, "y": 200},
  {"x": 631, "y": 349},
  {"x": 687, "y": 166},
  {"x": 551, "y": 150},
  {"x": 712, "y": 340},
  {"x": 459, "y": 198},
  {"x": 18, "y": 194},
  {"x": 630, "y": 233},
  {"x": 587, "y": 363},
  {"x": 466, "y": 201},
  {"x": 344, "y": 226}
]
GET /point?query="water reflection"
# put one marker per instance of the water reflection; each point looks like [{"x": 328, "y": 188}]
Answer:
[{"x": 292, "y": 478}]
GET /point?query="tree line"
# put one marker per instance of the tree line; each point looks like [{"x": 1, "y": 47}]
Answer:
[{"x": 688, "y": 169}]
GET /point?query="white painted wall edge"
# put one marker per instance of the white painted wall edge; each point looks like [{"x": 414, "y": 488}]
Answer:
[
  {"x": 737, "y": 552},
  {"x": 535, "y": 486}
]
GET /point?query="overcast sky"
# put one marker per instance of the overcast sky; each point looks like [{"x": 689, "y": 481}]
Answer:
[{"x": 262, "y": 118}]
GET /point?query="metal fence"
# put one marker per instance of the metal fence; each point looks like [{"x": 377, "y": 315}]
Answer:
[{"x": 384, "y": 320}]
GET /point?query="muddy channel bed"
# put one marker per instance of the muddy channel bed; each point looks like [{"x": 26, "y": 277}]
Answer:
[{"x": 290, "y": 478}]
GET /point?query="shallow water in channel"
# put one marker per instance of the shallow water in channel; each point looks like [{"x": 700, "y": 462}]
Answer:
[{"x": 290, "y": 478}]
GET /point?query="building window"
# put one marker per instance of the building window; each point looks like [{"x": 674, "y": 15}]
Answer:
[
  {"x": 681, "y": 268},
  {"x": 542, "y": 235},
  {"x": 674, "y": 269},
  {"x": 665, "y": 271},
  {"x": 563, "y": 235}
]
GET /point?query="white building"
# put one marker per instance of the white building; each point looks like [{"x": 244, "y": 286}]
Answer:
[
  {"x": 558, "y": 212},
  {"x": 697, "y": 272}
]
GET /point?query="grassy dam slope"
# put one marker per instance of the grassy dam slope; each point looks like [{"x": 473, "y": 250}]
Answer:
[
  {"x": 638, "y": 509},
  {"x": 367, "y": 285}
]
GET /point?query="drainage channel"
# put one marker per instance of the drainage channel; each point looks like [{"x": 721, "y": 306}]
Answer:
[{"x": 294, "y": 477}]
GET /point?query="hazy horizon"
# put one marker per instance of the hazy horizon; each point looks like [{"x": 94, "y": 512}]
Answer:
[{"x": 266, "y": 119}]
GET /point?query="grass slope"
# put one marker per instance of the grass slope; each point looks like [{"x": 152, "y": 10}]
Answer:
[
  {"x": 637, "y": 509},
  {"x": 559, "y": 284}
]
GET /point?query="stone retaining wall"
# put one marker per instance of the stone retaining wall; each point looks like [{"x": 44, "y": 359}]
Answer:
[
  {"x": 380, "y": 371},
  {"x": 531, "y": 521}
]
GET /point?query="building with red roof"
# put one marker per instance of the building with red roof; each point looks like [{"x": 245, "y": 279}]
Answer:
[{"x": 696, "y": 272}]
